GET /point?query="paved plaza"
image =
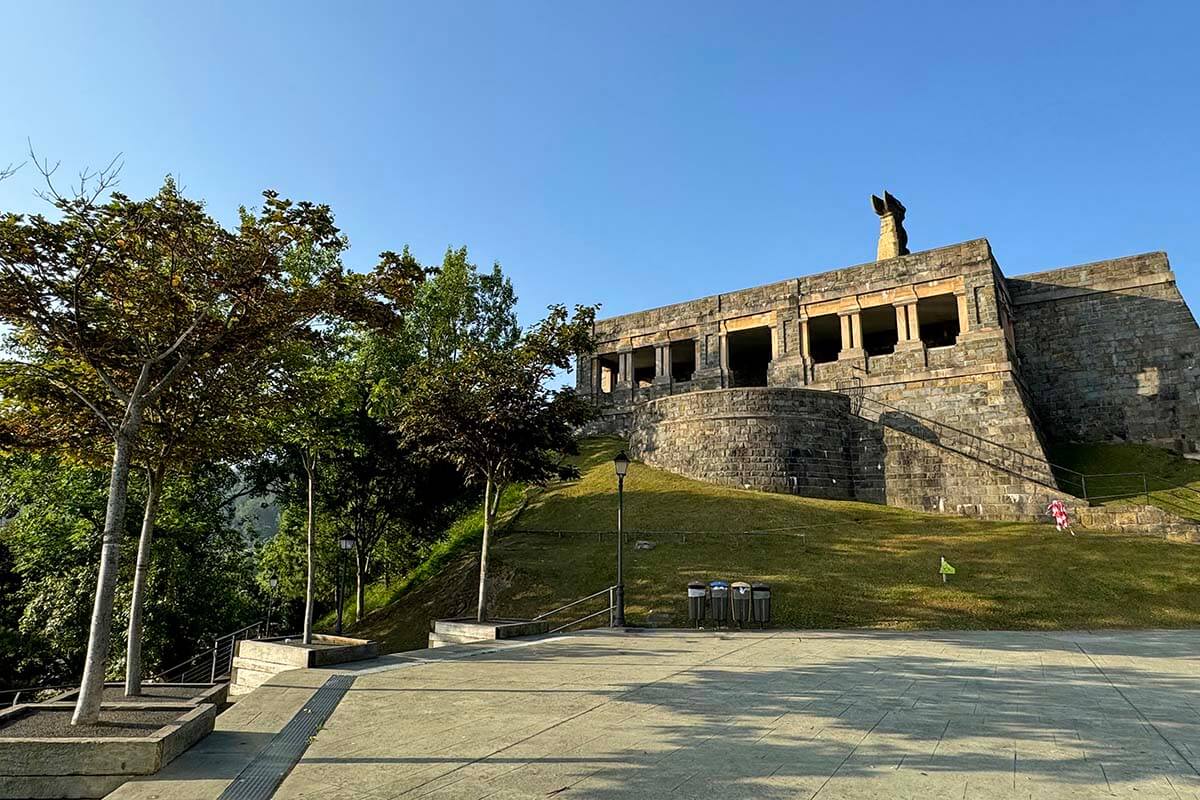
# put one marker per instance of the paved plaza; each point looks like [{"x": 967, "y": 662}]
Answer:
[{"x": 677, "y": 714}]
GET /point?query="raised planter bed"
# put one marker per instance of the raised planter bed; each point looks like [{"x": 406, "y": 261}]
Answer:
[
  {"x": 194, "y": 693},
  {"x": 42, "y": 755},
  {"x": 256, "y": 660},
  {"x": 465, "y": 630}
]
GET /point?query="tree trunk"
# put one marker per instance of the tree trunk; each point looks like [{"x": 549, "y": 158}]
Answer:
[
  {"x": 133, "y": 648},
  {"x": 481, "y": 612},
  {"x": 310, "y": 586},
  {"x": 497, "y": 492},
  {"x": 360, "y": 589},
  {"x": 91, "y": 687}
]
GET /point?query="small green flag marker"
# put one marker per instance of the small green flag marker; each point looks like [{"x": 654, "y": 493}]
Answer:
[{"x": 945, "y": 569}]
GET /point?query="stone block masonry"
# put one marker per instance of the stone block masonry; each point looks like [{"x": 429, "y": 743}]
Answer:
[
  {"x": 807, "y": 442},
  {"x": 1111, "y": 352},
  {"x": 780, "y": 440}
]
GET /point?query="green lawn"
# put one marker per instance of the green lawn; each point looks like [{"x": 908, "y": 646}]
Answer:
[
  {"x": 831, "y": 564},
  {"x": 1113, "y": 471}
]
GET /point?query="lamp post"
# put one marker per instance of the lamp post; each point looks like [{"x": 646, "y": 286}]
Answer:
[
  {"x": 272, "y": 582},
  {"x": 621, "y": 465},
  {"x": 345, "y": 545}
]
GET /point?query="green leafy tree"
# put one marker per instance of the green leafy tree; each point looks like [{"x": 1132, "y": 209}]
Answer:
[
  {"x": 200, "y": 574},
  {"x": 491, "y": 411},
  {"x": 303, "y": 429},
  {"x": 377, "y": 483},
  {"x": 113, "y": 302},
  {"x": 304, "y": 423},
  {"x": 457, "y": 308}
]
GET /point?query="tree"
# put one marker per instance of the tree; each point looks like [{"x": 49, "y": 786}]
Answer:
[
  {"x": 200, "y": 574},
  {"x": 115, "y": 301},
  {"x": 457, "y": 308},
  {"x": 303, "y": 429},
  {"x": 491, "y": 412},
  {"x": 303, "y": 423},
  {"x": 376, "y": 482},
  {"x": 211, "y": 415}
]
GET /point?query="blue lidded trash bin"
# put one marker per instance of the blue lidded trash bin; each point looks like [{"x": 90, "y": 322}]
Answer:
[{"x": 718, "y": 597}]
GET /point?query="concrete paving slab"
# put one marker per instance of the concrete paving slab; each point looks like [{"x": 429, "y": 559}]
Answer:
[{"x": 679, "y": 714}]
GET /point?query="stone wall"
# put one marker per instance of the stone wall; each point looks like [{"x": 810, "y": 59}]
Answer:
[
  {"x": 1137, "y": 519},
  {"x": 900, "y": 469},
  {"x": 1110, "y": 352},
  {"x": 781, "y": 440},
  {"x": 807, "y": 442}
]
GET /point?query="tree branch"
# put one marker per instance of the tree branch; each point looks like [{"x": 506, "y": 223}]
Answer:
[{"x": 61, "y": 384}]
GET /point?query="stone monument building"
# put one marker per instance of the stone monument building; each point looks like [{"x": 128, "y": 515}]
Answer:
[{"x": 925, "y": 380}]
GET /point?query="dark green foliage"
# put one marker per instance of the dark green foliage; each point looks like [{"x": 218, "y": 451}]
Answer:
[{"x": 201, "y": 572}]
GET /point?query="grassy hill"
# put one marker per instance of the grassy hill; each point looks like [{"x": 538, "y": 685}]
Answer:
[{"x": 831, "y": 564}]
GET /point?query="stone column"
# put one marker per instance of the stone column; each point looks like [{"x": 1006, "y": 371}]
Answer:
[
  {"x": 806, "y": 371},
  {"x": 964, "y": 320},
  {"x": 851, "y": 335},
  {"x": 901, "y": 324},
  {"x": 906, "y": 326},
  {"x": 625, "y": 369},
  {"x": 724, "y": 360},
  {"x": 662, "y": 363}
]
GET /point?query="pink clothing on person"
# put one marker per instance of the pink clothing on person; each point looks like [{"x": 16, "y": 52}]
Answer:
[{"x": 1058, "y": 510}]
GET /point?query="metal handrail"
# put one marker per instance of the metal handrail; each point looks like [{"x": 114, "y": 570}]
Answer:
[
  {"x": 1083, "y": 477},
  {"x": 583, "y": 619},
  {"x": 16, "y": 693},
  {"x": 609, "y": 609},
  {"x": 1172, "y": 485},
  {"x": 212, "y": 662},
  {"x": 608, "y": 590}
]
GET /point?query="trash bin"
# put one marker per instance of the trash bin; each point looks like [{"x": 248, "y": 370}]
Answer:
[
  {"x": 740, "y": 591},
  {"x": 697, "y": 594},
  {"x": 760, "y": 595},
  {"x": 718, "y": 596}
]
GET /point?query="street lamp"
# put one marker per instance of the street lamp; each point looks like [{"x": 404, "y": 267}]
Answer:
[
  {"x": 621, "y": 465},
  {"x": 345, "y": 545},
  {"x": 272, "y": 582}
]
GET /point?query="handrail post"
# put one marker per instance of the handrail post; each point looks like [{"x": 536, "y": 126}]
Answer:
[
  {"x": 216, "y": 644},
  {"x": 1146, "y": 488},
  {"x": 1083, "y": 478}
]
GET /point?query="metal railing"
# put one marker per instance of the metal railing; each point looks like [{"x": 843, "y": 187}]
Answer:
[
  {"x": 979, "y": 448},
  {"x": 609, "y": 609},
  {"x": 30, "y": 694},
  {"x": 1155, "y": 490},
  {"x": 210, "y": 665},
  {"x": 205, "y": 667}
]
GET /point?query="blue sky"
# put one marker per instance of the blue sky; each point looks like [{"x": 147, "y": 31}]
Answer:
[{"x": 636, "y": 154}]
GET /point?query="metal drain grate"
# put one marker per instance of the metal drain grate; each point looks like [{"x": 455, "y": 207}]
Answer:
[{"x": 262, "y": 776}]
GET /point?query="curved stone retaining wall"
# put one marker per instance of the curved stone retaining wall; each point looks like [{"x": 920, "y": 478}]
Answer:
[{"x": 773, "y": 439}]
